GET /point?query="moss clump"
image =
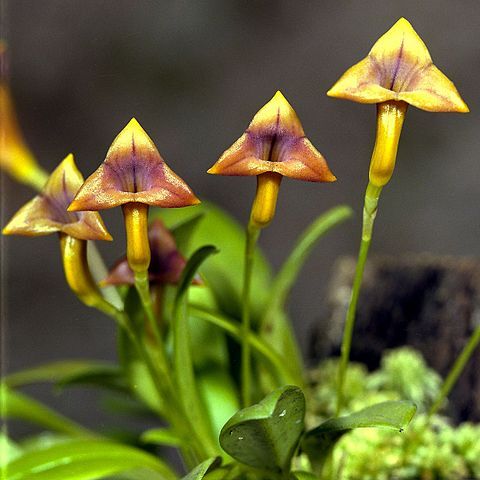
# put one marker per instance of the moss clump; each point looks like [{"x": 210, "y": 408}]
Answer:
[{"x": 434, "y": 450}]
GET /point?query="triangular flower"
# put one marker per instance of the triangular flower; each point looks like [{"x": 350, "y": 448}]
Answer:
[
  {"x": 274, "y": 142},
  {"x": 399, "y": 67},
  {"x": 133, "y": 172},
  {"x": 47, "y": 212}
]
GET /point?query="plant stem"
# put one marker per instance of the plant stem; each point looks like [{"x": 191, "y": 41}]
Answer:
[
  {"x": 252, "y": 235},
  {"x": 192, "y": 451},
  {"x": 456, "y": 370},
  {"x": 264, "y": 351},
  {"x": 369, "y": 212}
]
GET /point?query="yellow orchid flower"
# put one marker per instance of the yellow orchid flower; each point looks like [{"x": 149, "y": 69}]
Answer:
[
  {"x": 274, "y": 145},
  {"x": 47, "y": 213},
  {"x": 397, "y": 72},
  {"x": 134, "y": 175},
  {"x": 15, "y": 157}
]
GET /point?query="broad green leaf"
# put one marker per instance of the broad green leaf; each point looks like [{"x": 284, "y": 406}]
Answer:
[
  {"x": 301, "y": 475},
  {"x": 266, "y": 435},
  {"x": 58, "y": 372},
  {"x": 275, "y": 326},
  {"x": 85, "y": 460},
  {"x": 161, "y": 436},
  {"x": 205, "y": 467},
  {"x": 223, "y": 272},
  {"x": 184, "y": 230},
  {"x": 183, "y": 363},
  {"x": 20, "y": 406},
  {"x": 277, "y": 365},
  {"x": 318, "y": 443},
  {"x": 219, "y": 394},
  {"x": 9, "y": 450}
]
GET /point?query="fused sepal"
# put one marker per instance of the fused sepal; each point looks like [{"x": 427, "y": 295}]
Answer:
[
  {"x": 47, "y": 212},
  {"x": 274, "y": 142},
  {"x": 133, "y": 172},
  {"x": 399, "y": 67}
]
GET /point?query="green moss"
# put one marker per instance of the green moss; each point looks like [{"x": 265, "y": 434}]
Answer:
[{"x": 434, "y": 450}]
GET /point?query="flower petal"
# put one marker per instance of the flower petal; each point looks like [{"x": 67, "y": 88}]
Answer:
[
  {"x": 362, "y": 83},
  {"x": 435, "y": 92},
  {"x": 304, "y": 162}
]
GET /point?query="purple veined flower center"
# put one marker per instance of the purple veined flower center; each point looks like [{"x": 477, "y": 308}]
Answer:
[
  {"x": 273, "y": 144},
  {"x": 399, "y": 74},
  {"x": 59, "y": 202},
  {"x": 136, "y": 172}
]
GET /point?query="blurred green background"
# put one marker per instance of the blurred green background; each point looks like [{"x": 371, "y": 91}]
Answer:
[{"x": 194, "y": 73}]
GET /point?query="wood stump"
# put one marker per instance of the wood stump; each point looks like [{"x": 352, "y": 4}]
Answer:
[{"x": 431, "y": 303}]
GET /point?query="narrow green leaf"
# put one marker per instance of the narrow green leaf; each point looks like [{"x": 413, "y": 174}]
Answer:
[
  {"x": 318, "y": 443},
  {"x": 60, "y": 371},
  {"x": 275, "y": 327},
  {"x": 301, "y": 475},
  {"x": 290, "y": 269},
  {"x": 205, "y": 467},
  {"x": 84, "y": 460},
  {"x": 161, "y": 436},
  {"x": 183, "y": 363},
  {"x": 9, "y": 450},
  {"x": 266, "y": 435},
  {"x": 276, "y": 363},
  {"x": 218, "y": 228},
  {"x": 20, "y": 406},
  {"x": 135, "y": 370}
]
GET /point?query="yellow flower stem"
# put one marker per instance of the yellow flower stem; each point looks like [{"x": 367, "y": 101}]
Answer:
[
  {"x": 265, "y": 202},
  {"x": 369, "y": 212},
  {"x": 138, "y": 257},
  {"x": 390, "y": 117},
  {"x": 456, "y": 371},
  {"x": 78, "y": 276}
]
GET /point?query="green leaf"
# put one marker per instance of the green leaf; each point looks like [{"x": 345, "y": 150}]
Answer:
[
  {"x": 20, "y": 406},
  {"x": 134, "y": 368},
  {"x": 219, "y": 394},
  {"x": 85, "y": 460},
  {"x": 161, "y": 436},
  {"x": 61, "y": 371},
  {"x": 205, "y": 467},
  {"x": 301, "y": 475},
  {"x": 318, "y": 443},
  {"x": 266, "y": 435},
  {"x": 184, "y": 230},
  {"x": 222, "y": 271},
  {"x": 183, "y": 363},
  {"x": 259, "y": 347},
  {"x": 275, "y": 327},
  {"x": 9, "y": 450}
]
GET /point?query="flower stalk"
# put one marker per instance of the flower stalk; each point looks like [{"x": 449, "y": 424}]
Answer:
[
  {"x": 397, "y": 71},
  {"x": 78, "y": 275},
  {"x": 274, "y": 145}
]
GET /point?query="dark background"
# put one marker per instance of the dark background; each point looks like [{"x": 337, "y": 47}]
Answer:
[{"x": 194, "y": 73}]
